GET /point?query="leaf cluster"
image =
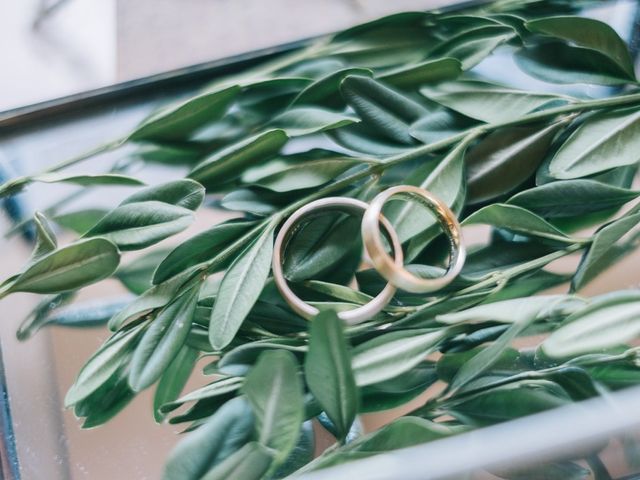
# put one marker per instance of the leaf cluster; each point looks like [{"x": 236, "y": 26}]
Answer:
[{"x": 396, "y": 100}]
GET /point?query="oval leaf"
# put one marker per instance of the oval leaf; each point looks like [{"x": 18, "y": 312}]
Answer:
[
  {"x": 89, "y": 180},
  {"x": 605, "y": 324},
  {"x": 74, "y": 266},
  {"x": 381, "y": 108},
  {"x": 199, "y": 248},
  {"x": 274, "y": 390},
  {"x": 174, "y": 379},
  {"x": 597, "y": 257},
  {"x": 604, "y": 141},
  {"x": 138, "y": 225},
  {"x": 239, "y": 290},
  {"x": 178, "y": 121},
  {"x": 307, "y": 120},
  {"x": 589, "y": 33},
  {"x": 103, "y": 364},
  {"x": 517, "y": 220},
  {"x": 328, "y": 372},
  {"x": 485, "y": 101},
  {"x": 392, "y": 354},
  {"x": 218, "y": 438},
  {"x": 162, "y": 340},
  {"x": 229, "y": 162},
  {"x": 506, "y": 159},
  {"x": 568, "y": 198},
  {"x": 185, "y": 193}
]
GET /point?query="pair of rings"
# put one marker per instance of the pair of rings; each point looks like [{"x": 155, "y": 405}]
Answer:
[{"x": 391, "y": 268}]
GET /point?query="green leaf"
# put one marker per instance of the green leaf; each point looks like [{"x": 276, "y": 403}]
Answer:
[
  {"x": 588, "y": 33},
  {"x": 138, "y": 225},
  {"x": 607, "y": 323},
  {"x": 568, "y": 198},
  {"x": 184, "y": 193},
  {"x": 103, "y": 364},
  {"x": 178, "y": 121},
  {"x": 446, "y": 181},
  {"x": 320, "y": 245},
  {"x": 506, "y": 159},
  {"x": 228, "y": 163},
  {"x": 392, "y": 354},
  {"x": 302, "y": 454},
  {"x": 163, "y": 340},
  {"x": 80, "y": 221},
  {"x": 45, "y": 237},
  {"x": 363, "y": 139},
  {"x": 247, "y": 354},
  {"x": 473, "y": 46},
  {"x": 136, "y": 276},
  {"x": 239, "y": 290},
  {"x": 450, "y": 363},
  {"x": 256, "y": 201},
  {"x": 517, "y": 310},
  {"x": 251, "y": 462},
  {"x": 200, "y": 248},
  {"x": 487, "y": 102},
  {"x": 439, "y": 125},
  {"x": 415, "y": 75},
  {"x": 604, "y": 141},
  {"x": 169, "y": 154},
  {"x": 516, "y": 219},
  {"x": 338, "y": 292},
  {"x": 512, "y": 401},
  {"x": 156, "y": 297},
  {"x": 265, "y": 97},
  {"x": 328, "y": 372},
  {"x": 274, "y": 390},
  {"x": 595, "y": 259},
  {"x": 300, "y": 121},
  {"x": 300, "y": 171},
  {"x": 88, "y": 180},
  {"x": 106, "y": 402},
  {"x": 401, "y": 433},
  {"x": 381, "y": 108},
  {"x": 86, "y": 314},
  {"x": 39, "y": 316},
  {"x": 68, "y": 268},
  {"x": 385, "y": 47},
  {"x": 220, "y": 387},
  {"x": 326, "y": 90},
  {"x": 489, "y": 356},
  {"x": 383, "y": 25},
  {"x": 215, "y": 440},
  {"x": 558, "y": 62},
  {"x": 173, "y": 380},
  {"x": 400, "y": 390}
]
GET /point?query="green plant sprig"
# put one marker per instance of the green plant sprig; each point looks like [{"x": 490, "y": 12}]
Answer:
[{"x": 396, "y": 100}]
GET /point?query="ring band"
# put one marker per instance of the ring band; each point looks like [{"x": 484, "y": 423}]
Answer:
[
  {"x": 386, "y": 266},
  {"x": 349, "y": 205}
]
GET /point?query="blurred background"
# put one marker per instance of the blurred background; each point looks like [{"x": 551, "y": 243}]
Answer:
[{"x": 55, "y": 48}]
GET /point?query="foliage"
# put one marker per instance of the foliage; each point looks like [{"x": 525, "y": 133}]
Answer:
[{"x": 396, "y": 100}]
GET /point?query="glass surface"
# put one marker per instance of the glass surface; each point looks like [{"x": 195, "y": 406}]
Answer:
[{"x": 48, "y": 438}]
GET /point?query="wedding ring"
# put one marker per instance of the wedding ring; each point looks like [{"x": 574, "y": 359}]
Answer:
[
  {"x": 293, "y": 224},
  {"x": 396, "y": 274}
]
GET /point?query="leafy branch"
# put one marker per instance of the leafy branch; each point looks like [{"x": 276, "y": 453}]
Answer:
[{"x": 396, "y": 100}]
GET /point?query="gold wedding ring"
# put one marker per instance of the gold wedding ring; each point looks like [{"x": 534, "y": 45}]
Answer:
[
  {"x": 396, "y": 274},
  {"x": 292, "y": 225}
]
